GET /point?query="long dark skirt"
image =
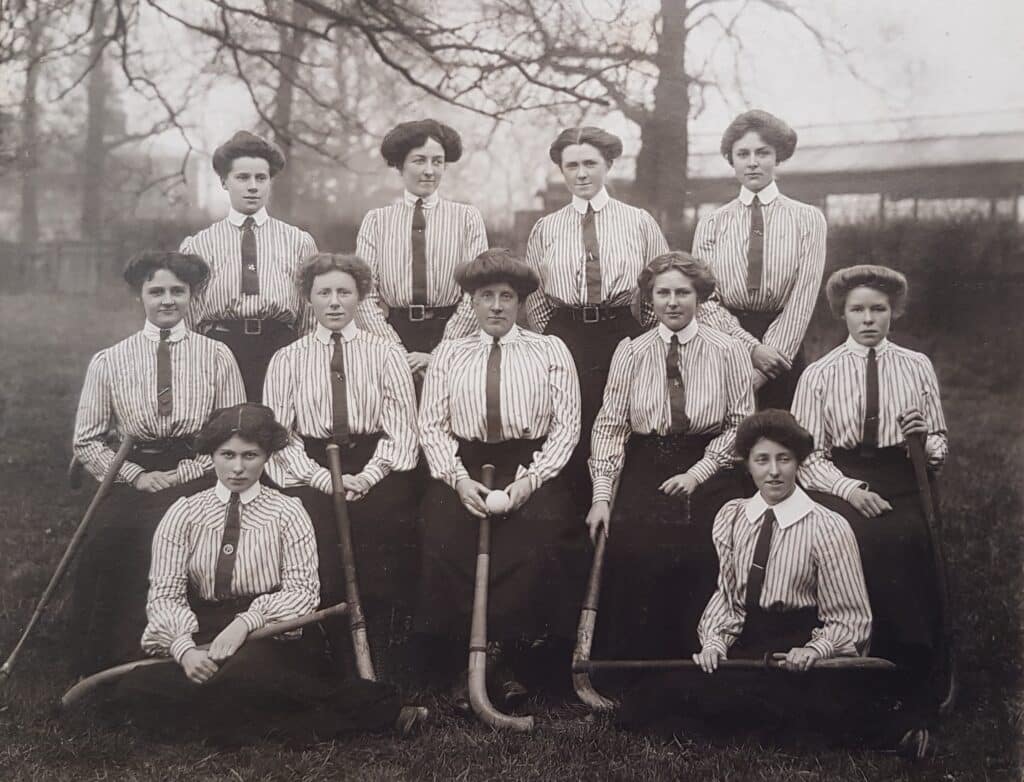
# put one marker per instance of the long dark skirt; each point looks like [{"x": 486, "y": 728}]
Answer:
[
  {"x": 660, "y": 562},
  {"x": 271, "y": 687},
  {"x": 777, "y": 393},
  {"x": 112, "y": 578},
  {"x": 529, "y": 595},
  {"x": 252, "y": 351}
]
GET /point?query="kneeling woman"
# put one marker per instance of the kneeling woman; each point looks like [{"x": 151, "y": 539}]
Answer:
[
  {"x": 226, "y": 562},
  {"x": 664, "y": 434},
  {"x": 510, "y": 398}
]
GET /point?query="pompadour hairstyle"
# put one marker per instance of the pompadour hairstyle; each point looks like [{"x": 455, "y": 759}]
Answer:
[
  {"x": 188, "y": 268},
  {"x": 322, "y": 263},
  {"x": 497, "y": 265},
  {"x": 772, "y": 130},
  {"x": 246, "y": 144},
  {"x": 881, "y": 278},
  {"x": 250, "y": 421},
  {"x": 697, "y": 270},
  {"x": 608, "y": 144},
  {"x": 776, "y": 425},
  {"x": 406, "y": 136}
]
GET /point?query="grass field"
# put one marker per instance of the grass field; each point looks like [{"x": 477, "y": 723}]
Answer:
[{"x": 47, "y": 342}]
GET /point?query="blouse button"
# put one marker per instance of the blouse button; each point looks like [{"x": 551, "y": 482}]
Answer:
[{"x": 228, "y": 549}]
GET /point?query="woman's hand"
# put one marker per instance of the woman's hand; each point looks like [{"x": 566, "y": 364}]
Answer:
[
  {"x": 758, "y": 380},
  {"x": 769, "y": 361},
  {"x": 519, "y": 492},
  {"x": 229, "y": 640},
  {"x": 682, "y": 485},
  {"x": 157, "y": 480},
  {"x": 912, "y": 422},
  {"x": 198, "y": 666},
  {"x": 708, "y": 659},
  {"x": 598, "y": 518},
  {"x": 355, "y": 487},
  {"x": 473, "y": 495},
  {"x": 868, "y": 504},
  {"x": 800, "y": 658},
  {"x": 418, "y": 362}
]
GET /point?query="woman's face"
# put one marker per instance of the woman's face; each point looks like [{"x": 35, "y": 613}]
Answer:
[
  {"x": 584, "y": 169},
  {"x": 773, "y": 467},
  {"x": 334, "y": 298},
  {"x": 239, "y": 463},
  {"x": 165, "y": 298},
  {"x": 496, "y": 307},
  {"x": 753, "y": 161},
  {"x": 674, "y": 299},
  {"x": 423, "y": 168},
  {"x": 868, "y": 315},
  {"x": 248, "y": 184}
]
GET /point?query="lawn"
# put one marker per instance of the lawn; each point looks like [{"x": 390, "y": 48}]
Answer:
[{"x": 978, "y": 354}]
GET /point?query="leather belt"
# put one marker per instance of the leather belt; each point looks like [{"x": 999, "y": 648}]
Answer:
[
  {"x": 416, "y": 313},
  {"x": 249, "y": 327},
  {"x": 595, "y": 313}
]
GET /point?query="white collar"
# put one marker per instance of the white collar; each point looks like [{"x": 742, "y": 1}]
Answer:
[
  {"x": 247, "y": 496},
  {"x": 236, "y": 218},
  {"x": 512, "y": 336},
  {"x": 428, "y": 203},
  {"x": 788, "y": 512},
  {"x": 599, "y": 202},
  {"x": 152, "y": 332},
  {"x": 685, "y": 334},
  {"x": 861, "y": 350},
  {"x": 349, "y": 333},
  {"x": 768, "y": 194}
]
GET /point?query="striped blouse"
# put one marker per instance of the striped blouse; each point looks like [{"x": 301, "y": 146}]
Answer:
[
  {"x": 455, "y": 233},
  {"x": 540, "y": 397},
  {"x": 829, "y": 403},
  {"x": 119, "y": 395},
  {"x": 281, "y": 248},
  {"x": 813, "y": 561},
  {"x": 275, "y": 560},
  {"x": 794, "y": 260},
  {"x": 379, "y": 393},
  {"x": 628, "y": 237},
  {"x": 716, "y": 377}
]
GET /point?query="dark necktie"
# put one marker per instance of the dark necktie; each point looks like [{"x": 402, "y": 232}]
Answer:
[
  {"x": 339, "y": 396},
  {"x": 679, "y": 423},
  {"x": 870, "y": 439},
  {"x": 250, "y": 275},
  {"x": 755, "y": 251},
  {"x": 419, "y": 254},
  {"x": 164, "y": 391},
  {"x": 755, "y": 580},
  {"x": 493, "y": 393},
  {"x": 593, "y": 257},
  {"x": 228, "y": 549}
]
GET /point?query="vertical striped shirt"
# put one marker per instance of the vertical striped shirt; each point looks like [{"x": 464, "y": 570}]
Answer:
[
  {"x": 540, "y": 397},
  {"x": 830, "y": 402},
  {"x": 628, "y": 238},
  {"x": 813, "y": 561},
  {"x": 119, "y": 396},
  {"x": 379, "y": 395},
  {"x": 455, "y": 233},
  {"x": 281, "y": 248},
  {"x": 794, "y": 260},
  {"x": 276, "y": 561},
  {"x": 716, "y": 375}
]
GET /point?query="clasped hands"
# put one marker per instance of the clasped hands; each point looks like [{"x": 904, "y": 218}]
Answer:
[
  {"x": 200, "y": 665},
  {"x": 473, "y": 495},
  {"x": 799, "y": 658}
]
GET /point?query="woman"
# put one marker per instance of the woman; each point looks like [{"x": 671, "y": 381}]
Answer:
[
  {"x": 250, "y": 304},
  {"x": 768, "y": 254},
  {"x": 158, "y": 386},
  {"x": 862, "y": 402},
  {"x": 507, "y": 397},
  {"x": 588, "y": 255},
  {"x": 227, "y": 561},
  {"x": 414, "y": 245},
  {"x": 341, "y": 384},
  {"x": 664, "y": 436}
]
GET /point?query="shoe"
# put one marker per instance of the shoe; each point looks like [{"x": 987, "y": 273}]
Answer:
[
  {"x": 411, "y": 719},
  {"x": 459, "y": 694},
  {"x": 915, "y": 745}
]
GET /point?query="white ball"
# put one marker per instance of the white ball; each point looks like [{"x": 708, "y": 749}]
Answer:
[{"x": 498, "y": 501}]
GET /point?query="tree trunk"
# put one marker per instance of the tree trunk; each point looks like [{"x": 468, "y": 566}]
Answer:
[
  {"x": 94, "y": 158},
  {"x": 292, "y": 43},
  {"x": 28, "y": 226},
  {"x": 661, "y": 174}
]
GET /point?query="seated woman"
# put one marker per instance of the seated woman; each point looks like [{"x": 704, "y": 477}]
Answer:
[
  {"x": 158, "y": 386},
  {"x": 342, "y": 384},
  {"x": 509, "y": 398},
  {"x": 227, "y": 561},
  {"x": 664, "y": 435}
]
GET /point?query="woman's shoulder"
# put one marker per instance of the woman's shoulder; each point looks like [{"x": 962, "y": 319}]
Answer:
[
  {"x": 914, "y": 356},
  {"x": 828, "y": 360},
  {"x": 829, "y": 522},
  {"x": 809, "y": 210}
]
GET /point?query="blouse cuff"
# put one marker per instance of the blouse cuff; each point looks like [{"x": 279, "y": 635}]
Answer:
[
  {"x": 180, "y": 645},
  {"x": 823, "y": 646},
  {"x": 321, "y": 481},
  {"x": 189, "y": 470},
  {"x": 704, "y": 469},
  {"x": 130, "y": 472},
  {"x": 253, "y": 620},
  {"x": 717, "y": 644},
  {"x": 373, "y": 473},
  {"x": 602, "y": 488},
  {"x": 844, "y": 487},
  {"x": 453, "y": 477}
]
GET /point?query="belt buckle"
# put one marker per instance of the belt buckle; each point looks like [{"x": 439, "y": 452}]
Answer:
[
  {"x": 252, "y": 327},
  {"x": 591, "y": 314},
  {"x": 417, "y": 313}
]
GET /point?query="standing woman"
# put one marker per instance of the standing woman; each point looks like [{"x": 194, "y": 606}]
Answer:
[
  {"x": 414, "y": 245},
  {"x": 341, "y": 384},
  {"x": 768, "y": 254},
  {"x": 158, "y": 386},
  {"x": 664, "y": 435},
  {"x": 250, "y": 304},
  {"x": 507, "y": 397},
  {"x": 588, "y": 256}
]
